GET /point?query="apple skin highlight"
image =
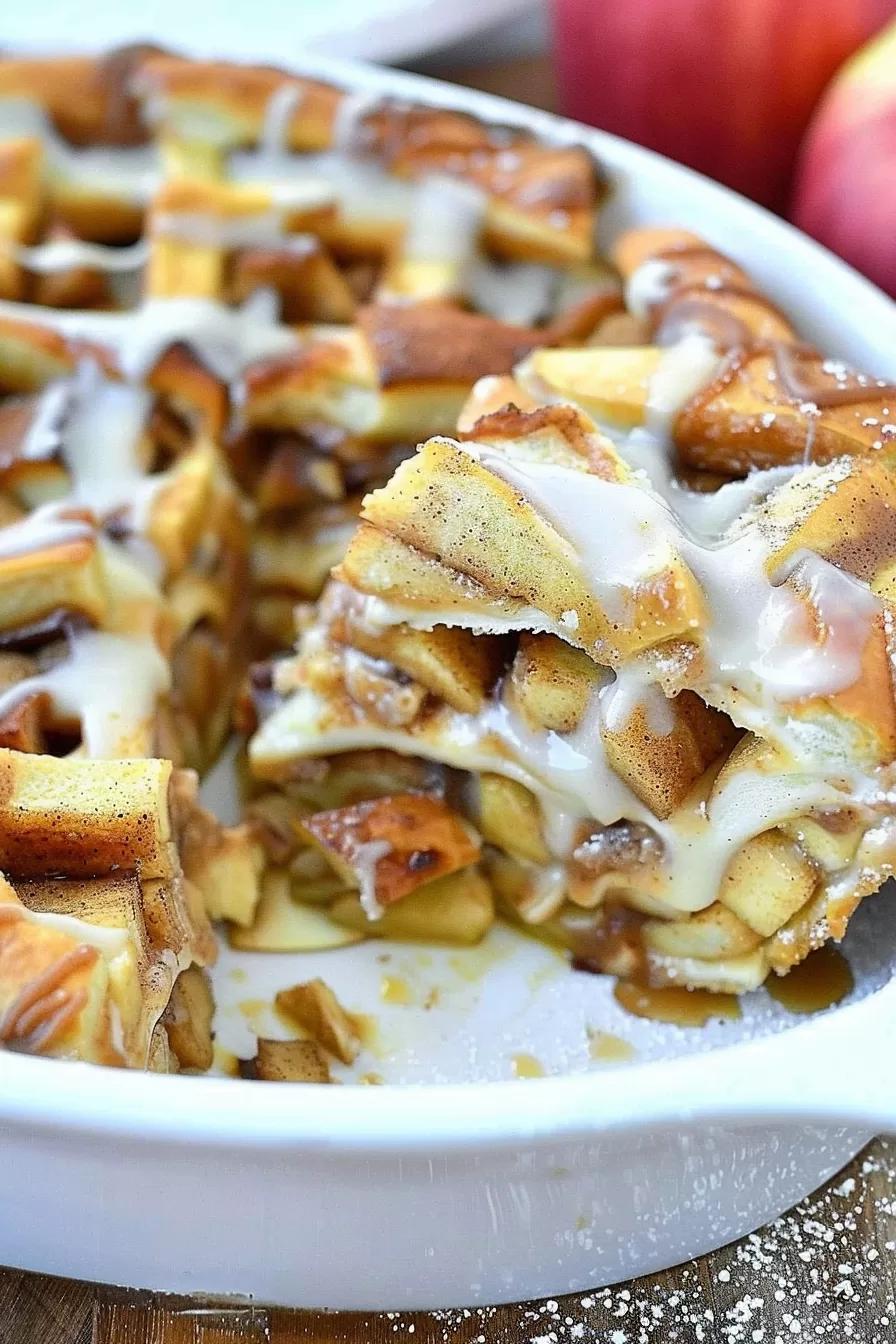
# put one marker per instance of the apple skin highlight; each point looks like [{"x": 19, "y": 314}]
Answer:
[
  {"x": 845, "y": 187},
  {"x": 724, "y": 86}
]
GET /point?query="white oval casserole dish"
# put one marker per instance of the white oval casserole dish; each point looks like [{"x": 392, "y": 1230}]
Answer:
[{"x": 442, "y": 1195}]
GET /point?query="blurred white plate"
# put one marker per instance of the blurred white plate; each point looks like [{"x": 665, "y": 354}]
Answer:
[{"x": 268, "y": 30}]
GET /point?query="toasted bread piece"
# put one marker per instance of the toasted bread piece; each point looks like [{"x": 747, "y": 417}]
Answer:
[
  {"x": 225, "y": 863},
  {"x": 299, "y": 268},
  {"x": 317, "y": 1010},
  {"x": 455, "y": 512},
  {"x": 685, "y": 284},
  {"x": 498, "y": 413},
  {"x": 223, "y": 103},
  {"x": 768, "y": 408},
  {"x": 400, "y": 374},
  {"x": 47, "y": 806},
  {"x": 53, "y": 987},
  {"x": 84, "y": 95},
  {"x": 21, "y": 193},
  {"x": 110, "y": 916},
  {"x": 50, "y": 567},
  {"x": 647, "y": 242},
  {"x": 552, "y": 223},
  {"x": 383, "y": 566},
  {"x": 458, "y": 667},
  {"x": 331, "y": 377},
  {"x": 195, "y": 225}
]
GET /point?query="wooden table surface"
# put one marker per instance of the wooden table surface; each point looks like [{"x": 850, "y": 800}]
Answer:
[{"x": 826, "y": 1271}]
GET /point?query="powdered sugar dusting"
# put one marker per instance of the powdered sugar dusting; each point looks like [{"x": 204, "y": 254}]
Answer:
[{"x": 822, "y": 1272}]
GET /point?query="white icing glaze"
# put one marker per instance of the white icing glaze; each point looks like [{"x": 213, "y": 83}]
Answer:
[
  {"x": 684, "y": 368},
  {"x": 44, "y": 435},
  {"x": 66, "y": 254},
  {"x": 758, "y": 637},
  {"x": 630, "y": 689},
  {"x": 380, "y": 614},
  {"x": 42, "y": 530},
  {"x": 648, "y": 285},
  {"x": 547, "y": 893},
  {"x": 750, "y": 802},
  {"x": 563, "y": 766},
  {"x": 708, "y": 515},
  {"x": 229, "y": 232},
  {"x": 364, "y": 859},
  {"x": 129, "y": 175},
  {"x": 108, "y": 941},
  {"x": 350, "y": 113},
  {"x": 225, "y": 339},
  {"x": 108, "y": 683},
  {"x": 96, "y": 428},
  {"x": 840, "y": 610},
  {"x": 520, "y": 293},
  {"x": 282, "y": 106},
  {"x": 446, "y": 218},
  {"x": 123, "y": 174},
  {"x": 100, "y": 446},
  {"x": 362, "y": 188},
  {"x": 614, "y": 556},
  {"x": 263, "y": 306}
]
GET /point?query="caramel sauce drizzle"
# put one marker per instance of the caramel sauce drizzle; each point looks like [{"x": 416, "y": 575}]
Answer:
[
  {"x": 798, "y": 387},
  {"x": 687, "y": 310},
  {"x": 821, "y": 981},
  {"x": 43, "y": 1008},
  {"x": 794, "y": 386},
  {"x": 684, "y": 307},
  {"x": 676, "y": 1005}
]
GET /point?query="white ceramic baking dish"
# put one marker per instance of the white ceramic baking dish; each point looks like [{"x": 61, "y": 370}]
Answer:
[{"x": 473, "y": 1189}]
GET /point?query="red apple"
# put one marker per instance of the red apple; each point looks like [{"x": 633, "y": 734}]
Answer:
[
  {"x": 725, "y": 86},
  {"x": 845, "y": 190}
]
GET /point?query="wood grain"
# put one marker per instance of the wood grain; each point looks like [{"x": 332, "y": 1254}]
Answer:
[{"x": 826, "y": 1271}]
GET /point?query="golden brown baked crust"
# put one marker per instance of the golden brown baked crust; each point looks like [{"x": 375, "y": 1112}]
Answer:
[{"x": 583, "y": 664}]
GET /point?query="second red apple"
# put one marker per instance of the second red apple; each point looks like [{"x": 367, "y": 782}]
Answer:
[{"x": 725, "y": 86}]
